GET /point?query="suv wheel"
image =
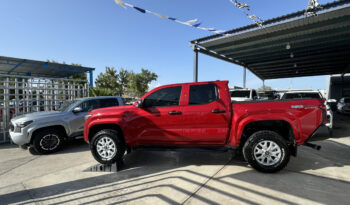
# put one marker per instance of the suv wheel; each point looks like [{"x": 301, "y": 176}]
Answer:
[
  {"x": 47, "y": 141},
  {"x": 107, "y": 147},
  {"x": 266, "y": 151}
]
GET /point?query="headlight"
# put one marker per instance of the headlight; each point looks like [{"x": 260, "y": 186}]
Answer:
[
  {"x": 21, "y": 125},
  {"x": 87, "y": 116},
  {"x": 24, "y": 124}
]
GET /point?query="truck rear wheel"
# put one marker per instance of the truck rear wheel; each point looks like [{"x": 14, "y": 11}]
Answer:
[
  {"x": 107, "y": 147},
  {"x": 266, "y": 151}
]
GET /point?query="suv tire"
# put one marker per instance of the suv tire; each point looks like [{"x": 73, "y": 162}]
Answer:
[
  {"x": 266, "y": 151},
  {"x": 107, "y": 147},
  {"x": 48, "y": 141}
]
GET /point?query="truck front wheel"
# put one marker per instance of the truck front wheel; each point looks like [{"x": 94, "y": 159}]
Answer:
[
  {"x": 48, "y": 141},
  {"x": 107, "y": 147},
  {"x": 266, "y": 151}
]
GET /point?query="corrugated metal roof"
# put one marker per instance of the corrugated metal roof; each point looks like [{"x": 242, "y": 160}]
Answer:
[
  {"x": 318, "y": 45},
  {"x": 17, "y": 66}
]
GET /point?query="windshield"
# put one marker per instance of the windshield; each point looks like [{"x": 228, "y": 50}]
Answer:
[
  {"x": 346, "y": 100},
  {"x": 240, "y": 93},
  {"x": 301, "y": 95},
  {"x": 68, "y": 105}
]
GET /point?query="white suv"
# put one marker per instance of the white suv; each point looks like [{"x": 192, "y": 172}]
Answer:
[
  {"x": 243, "y": 95},
  {"x": 343, "y": 105}
]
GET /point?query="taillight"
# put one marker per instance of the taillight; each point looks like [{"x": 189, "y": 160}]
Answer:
[{"x": 324, "y": 113}]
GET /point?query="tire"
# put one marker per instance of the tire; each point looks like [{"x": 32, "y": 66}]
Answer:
[
  {"x": 48, "y": 141},
  {"x": 107, "y": 147},
  {"x": 266, "y": 151}
]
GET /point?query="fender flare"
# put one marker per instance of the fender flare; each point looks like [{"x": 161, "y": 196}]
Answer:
[
  {"x": 236, "y": 134},
  {"x": 43, "y": 125}
]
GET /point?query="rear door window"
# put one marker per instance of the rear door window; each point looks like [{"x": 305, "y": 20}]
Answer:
[
  {"x": 108, "y": 102},
  {"x": 203, "y": 94}
]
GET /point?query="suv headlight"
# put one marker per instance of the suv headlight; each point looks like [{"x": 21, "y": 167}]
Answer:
[
  {"x": 21, "y": 125},
  {"x": 24, "y": 124}
]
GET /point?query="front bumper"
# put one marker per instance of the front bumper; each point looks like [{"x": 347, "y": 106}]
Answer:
[
  {"x": 321, "y": 133},
  {"x": 19, "y": 138}
]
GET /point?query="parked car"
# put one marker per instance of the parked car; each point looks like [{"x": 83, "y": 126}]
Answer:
[
  {"x": 202, "y": 115},
  {"x": 343, "y": 105},
  {"x": 46, "y": 131},
  {"x": 243, "y": 95},
  {"x": 310, "y": 95}
]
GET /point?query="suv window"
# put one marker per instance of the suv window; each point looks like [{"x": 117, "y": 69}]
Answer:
[
  {"x": 108, "y": 102},
  {"x": 164, "y": 97},
  {"x": 203, "y": 94},
  {"x": 240, "y": 93},
  {"x": 301, "y": 95},
  {"x": 254, "y": 95},
  {"x": 89, "y": 105}
]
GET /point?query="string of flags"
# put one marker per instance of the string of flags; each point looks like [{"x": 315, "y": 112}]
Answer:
[
  {"x": 193, "y": 23},
  {"x": 311, "y": 8},
  {"x": 245, "y": 8}
]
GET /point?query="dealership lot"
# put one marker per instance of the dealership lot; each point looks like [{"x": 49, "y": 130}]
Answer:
[{"x": 156, "y": 177}]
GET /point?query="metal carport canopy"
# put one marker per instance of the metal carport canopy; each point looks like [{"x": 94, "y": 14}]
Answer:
[
  {"x": 34, "y": 68},
  {"x": 288, "y": 46}
]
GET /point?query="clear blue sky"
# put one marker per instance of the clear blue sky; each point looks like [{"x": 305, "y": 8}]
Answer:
[{"x": 99, "y": 33}]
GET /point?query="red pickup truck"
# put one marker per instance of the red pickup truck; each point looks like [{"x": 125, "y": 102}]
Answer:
[{"x": 202, "y": 115}]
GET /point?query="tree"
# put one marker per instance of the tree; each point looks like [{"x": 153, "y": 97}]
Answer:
[
  {"x": 98, "y": 91},
  {"x": 124, "y": 79},
  {"x": 109, "y": 80},
  {"x": 139, "y": 82},
  {"x": 267, "y": 88}
]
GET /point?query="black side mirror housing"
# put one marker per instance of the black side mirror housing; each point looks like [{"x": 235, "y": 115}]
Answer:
[
  {"x": 77, "y": 110},
  {"x": 140, "y": 103}
]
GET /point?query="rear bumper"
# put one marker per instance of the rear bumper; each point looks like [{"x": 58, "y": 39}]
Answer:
[{"x": 321, "y": 133}]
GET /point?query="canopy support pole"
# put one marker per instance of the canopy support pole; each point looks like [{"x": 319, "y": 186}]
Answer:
[
  {"x": 195, "y": 63},
  {"x": 263, "y": 85},
  {"x": 244, "y": 77}
]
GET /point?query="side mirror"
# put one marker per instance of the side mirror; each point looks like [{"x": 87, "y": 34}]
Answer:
[
  {"x": 140, "y": 103},
  {"x": 77, "y": 110}
]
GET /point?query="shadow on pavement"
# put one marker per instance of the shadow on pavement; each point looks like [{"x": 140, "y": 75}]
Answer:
[{"x": 151, "y": 174}]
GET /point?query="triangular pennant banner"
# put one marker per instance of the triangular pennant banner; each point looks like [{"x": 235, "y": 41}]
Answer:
[{"x": 193, "y": 23}]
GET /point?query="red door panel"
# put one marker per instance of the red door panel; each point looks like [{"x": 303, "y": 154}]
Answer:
[{"x": 159, "y": 125}]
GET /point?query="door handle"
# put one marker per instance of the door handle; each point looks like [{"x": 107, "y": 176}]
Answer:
[
  {"x": 218, "y": 111},
  {"x": 174, "y": 113}
]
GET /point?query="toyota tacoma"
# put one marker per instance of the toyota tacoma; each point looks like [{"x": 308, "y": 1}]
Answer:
[{"x": 202, "y": 115}]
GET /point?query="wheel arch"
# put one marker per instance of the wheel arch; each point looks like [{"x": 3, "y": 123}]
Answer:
[
  {"x": 281, "y": 127},
  {"x": 60, "y": 128},
  {"x": 98, "y": 127}
]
